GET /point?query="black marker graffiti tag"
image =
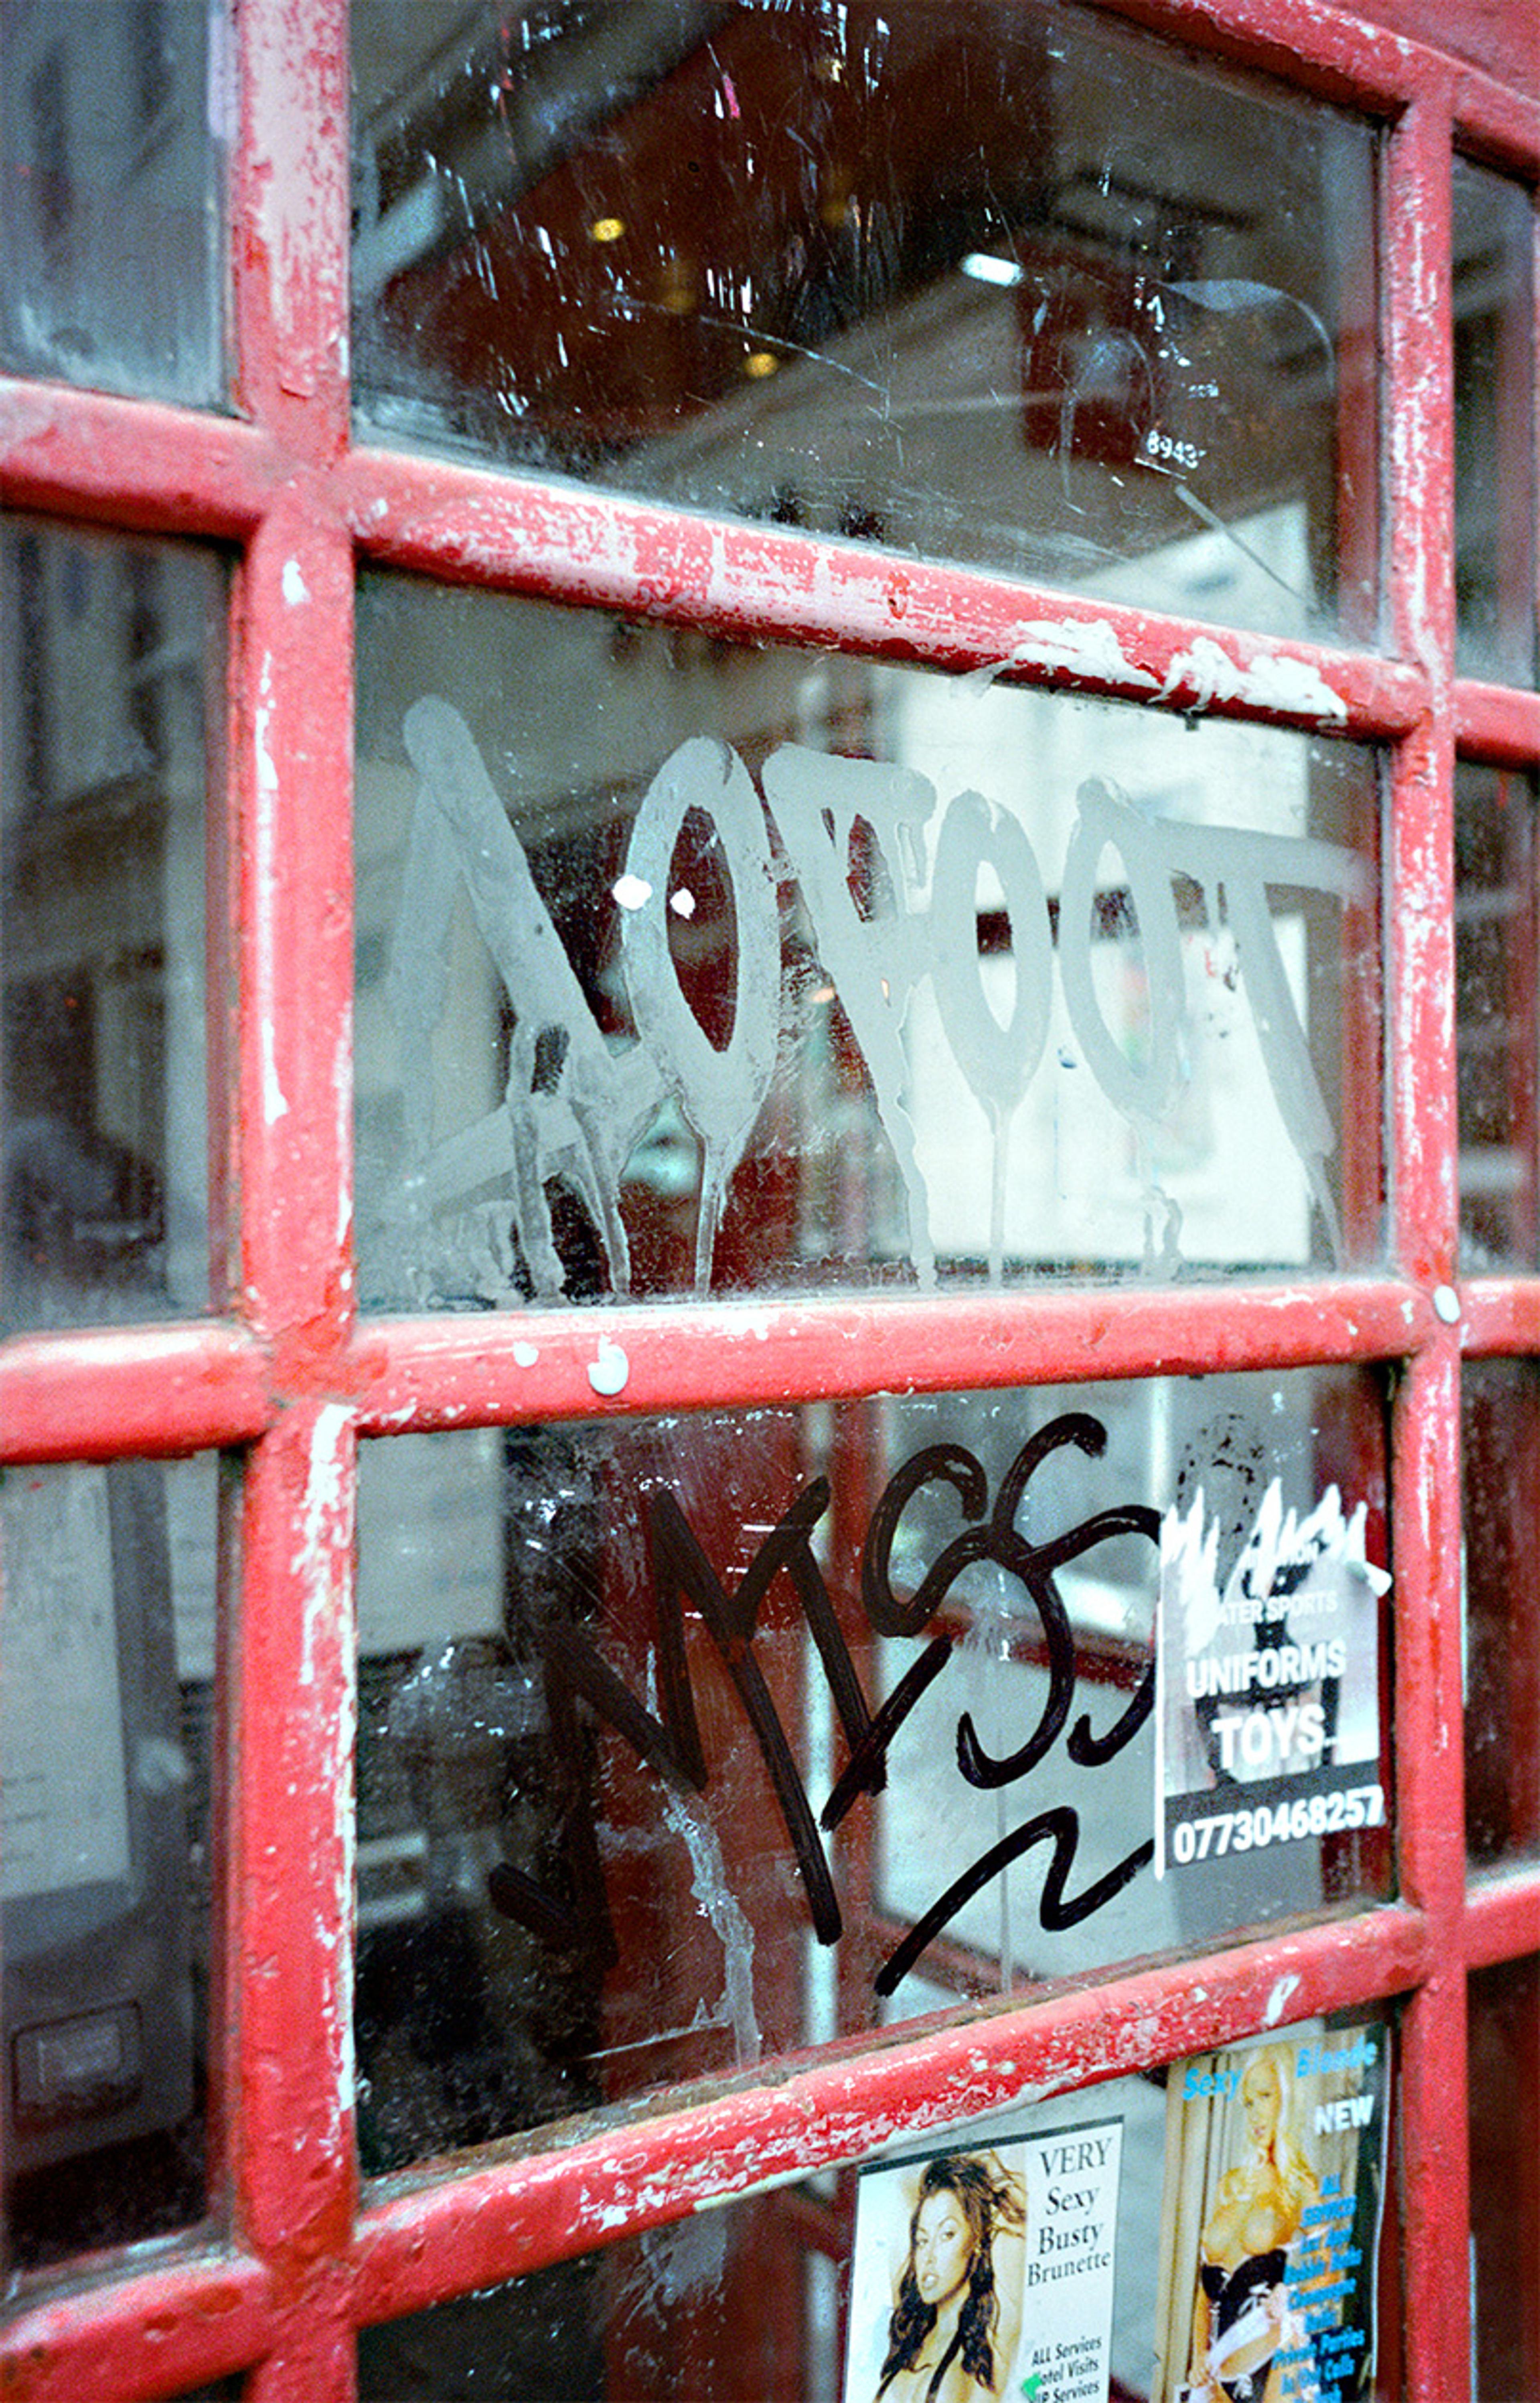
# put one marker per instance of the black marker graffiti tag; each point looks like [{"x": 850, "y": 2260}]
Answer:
[{"x": 669, "y": 1741}]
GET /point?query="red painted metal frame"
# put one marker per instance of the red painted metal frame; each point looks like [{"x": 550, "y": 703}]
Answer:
[{"x": 290, "y": 1374}]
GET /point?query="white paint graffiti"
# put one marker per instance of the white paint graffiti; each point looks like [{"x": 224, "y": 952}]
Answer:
[{"x": 580, "y": 1119}]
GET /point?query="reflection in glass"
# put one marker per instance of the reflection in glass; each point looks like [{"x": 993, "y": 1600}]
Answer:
[
  {"x": 109, "y": 674},
  {"x": 107, "y": 1579},
  {"x": 683, "y": 964},
  {"x": 112, "y": 136},
  {"x": 923, "y": 275},
  {"x": 1504, "y": 2164},
  {"x": 604, "y": 1848},
  {"x": 1500, "y": 1436},
  {"x": 1494, "y": 397},
  {"x": 1497, "y": 944}
]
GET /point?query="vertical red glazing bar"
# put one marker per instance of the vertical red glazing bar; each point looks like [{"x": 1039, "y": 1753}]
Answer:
[
  {"x": 1429, "y": 1732},
  {"x": 288, "y": 2080},
  {"x": 291, "y": 223},
  {"x": 288, "y": 2013},
  {"x": 1418, "y": 205},
  {"x": 293, "y": 772}
]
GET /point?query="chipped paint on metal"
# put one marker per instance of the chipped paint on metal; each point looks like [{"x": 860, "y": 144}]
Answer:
[{"x": 264, "y": 853}]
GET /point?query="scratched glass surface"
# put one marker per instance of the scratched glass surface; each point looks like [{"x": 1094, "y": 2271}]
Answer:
[
  {"x": 745, "y": 2299},
  {"x": 995, "y": 282},
  {"x": 1500, "y": 1432},
  {"x": 669, "y": 1741},
  {"x": 1497, "y": 1033},
  {"x": 1504, "y": 2199},
  {"x": 107, "y": 1576},
  {"x": 110, "y": 669},
  {"x": 686, "y": 966},
  {"x": 1494, "y": 426},
  {"x": 113, "y": 126}
]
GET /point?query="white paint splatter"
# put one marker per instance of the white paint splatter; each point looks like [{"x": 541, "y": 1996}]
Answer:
[
  {"x": 1070, "y": 647},
  {"x": 296, "y": 591},
  {"x": 631, "y": 892},
  {"x": 526, "y": 1355},
  {"x": 1278, "y": 2000},
  {"x": 729, "y": 1924},
  {"x": 608, "y": 1374},
  {"x": 1271, "y": 682}
]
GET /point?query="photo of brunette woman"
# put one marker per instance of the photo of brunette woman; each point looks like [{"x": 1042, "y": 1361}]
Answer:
[{"x": 953, "y": 2294}]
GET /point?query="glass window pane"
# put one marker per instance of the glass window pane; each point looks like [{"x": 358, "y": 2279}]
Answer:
[
  {"x": 111, "y": 683},
  {"x": 108, "y": 1583},
  {"x": 1497, "y": 1031},
  {"x": 996, "y": 283},
  {"x": 1501, "y": 1440},
  {"x": 1504, "y": 2161},
  {"x": 1085, "y": 2234},
  {"x": 681, "y": 965},
  {"x": 112, "y": 162},
  {"x": 1494, "y": 490},
  {"x": 602, "y": 1848}
]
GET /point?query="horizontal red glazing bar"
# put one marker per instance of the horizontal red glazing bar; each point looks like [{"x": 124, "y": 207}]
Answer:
[
  {"x": 1501, "y": 1315},
  {"x": 751, "y": 582},
  {"x": 1334, "y": 53},
  {"x": 480, "y": 1370},
  {"x": 454, "y": 2233},
  {"x": 101, "y": 1393},
  {"x": 1494, "y": 723},
  {"x": 1503, "y": 1915},
  {"x": 151, "y": 2332},
  {"x": 106, "y": 1392},
  {"x": 1495, "y": 124},
  {"x": 133, "y": 462}
]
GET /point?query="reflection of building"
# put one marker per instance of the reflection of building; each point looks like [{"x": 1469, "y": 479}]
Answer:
[
  {"x": 765, "y": 269},
  {"x": 103, "y": 699},
  {"x": 105, "y": 121}
]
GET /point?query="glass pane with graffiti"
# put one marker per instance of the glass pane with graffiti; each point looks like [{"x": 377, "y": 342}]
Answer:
[
  {"x": 686, "y": 966},
  {"x": 690, "y": 1742}
]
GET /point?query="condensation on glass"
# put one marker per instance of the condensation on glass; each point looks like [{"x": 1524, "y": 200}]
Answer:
[
  {"x": 682, "y": 966},
  {"x": 1505, "y": 2175},
  {"x": 999, "y": 284},
  {"x": 1500, "y": 1438},
  {"x": 113, "y": 134},
  {"x": 1495, "y": 430},
  {"x": 107, "y": 1579},
  {"x": 110, "y": 698},
  {"x": 623, "y": 1818},
  {"x": 1497, "y": 1029}
]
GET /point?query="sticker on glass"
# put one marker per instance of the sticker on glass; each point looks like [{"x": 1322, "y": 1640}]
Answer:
[
  {"x": 1270, "y": 2225},
  {"x": 986, "y": 2270},
  {"x": 1267, "y": 1682}
]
